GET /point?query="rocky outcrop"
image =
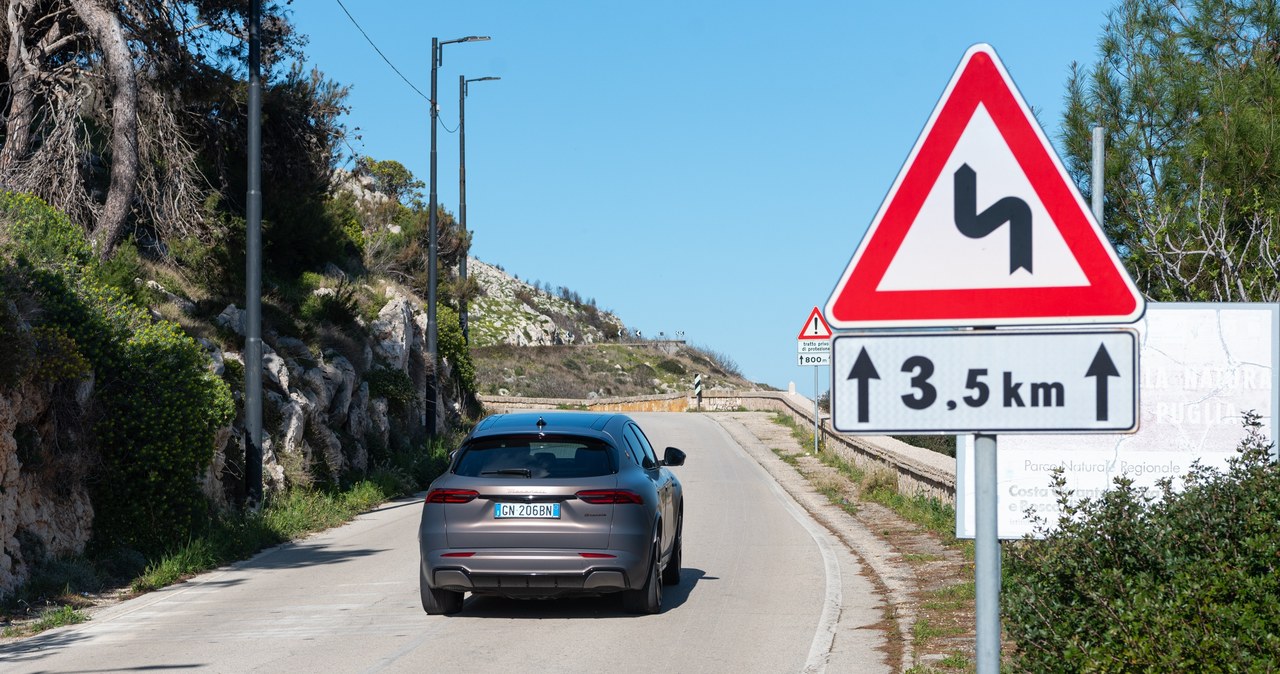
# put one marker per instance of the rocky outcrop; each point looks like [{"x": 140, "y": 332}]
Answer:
[
  {"x": 510, "y": 311},
  {"x": 320, "y": 415},
  {"x": 320, "y": 422},
  {"x": 44, "y": 506}
]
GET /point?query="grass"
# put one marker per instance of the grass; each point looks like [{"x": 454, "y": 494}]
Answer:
[
  {"x": 57, "y": 617},
  {"x": 950, "y": 598},
  {"x": 291, "y": 515},
  {"x": 787, "y": 457},
  {"x": 924, "y": 630},
  {"x": 951, "y": 663}
]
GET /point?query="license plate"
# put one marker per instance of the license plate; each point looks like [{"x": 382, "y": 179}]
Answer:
[{"x": 549, "y": 511}]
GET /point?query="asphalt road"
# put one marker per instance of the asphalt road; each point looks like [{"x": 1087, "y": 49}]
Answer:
[{"x": 765, "y": 589}]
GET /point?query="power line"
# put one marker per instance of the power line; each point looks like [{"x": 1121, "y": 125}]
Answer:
[{"x": 384, "y": 56}]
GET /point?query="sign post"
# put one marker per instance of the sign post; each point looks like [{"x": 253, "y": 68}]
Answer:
[
  {"x": 814, "y": 348},
  {"x": 983, "y": 228}
]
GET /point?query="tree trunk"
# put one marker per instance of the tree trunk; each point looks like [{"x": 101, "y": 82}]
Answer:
[
  {"x": 104, "y": 26},
  {"x": 17, "y": 131}
]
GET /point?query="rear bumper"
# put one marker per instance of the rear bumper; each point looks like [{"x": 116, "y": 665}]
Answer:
[{"x": 533, "y": 573}]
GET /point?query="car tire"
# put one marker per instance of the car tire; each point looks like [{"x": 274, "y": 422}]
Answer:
[
  {"x": 671, "y": 574},
  {"x": 439, "y": 602},
  {"x": 646, "y": 600}
]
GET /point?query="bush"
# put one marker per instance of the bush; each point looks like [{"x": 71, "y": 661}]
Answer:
[
  {"x": 338, "y": 306},
  {"x": 1186, "y": 581},
  {"x": 671, "y": 366},
  {"x": 393, "y": 385},
  {"x": 39, "y": 235},
  {"x": 158, "y": 404},
  {"x": 453, "y": 347},
  {"x": 161, "y": 408}
]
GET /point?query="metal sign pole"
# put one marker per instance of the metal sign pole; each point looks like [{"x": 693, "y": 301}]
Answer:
[
  {"x": 986, "y": 566},
  {"x": 815, "y": 410}
]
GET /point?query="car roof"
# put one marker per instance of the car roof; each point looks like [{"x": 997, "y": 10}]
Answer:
[{"x": 583, "y": 423}]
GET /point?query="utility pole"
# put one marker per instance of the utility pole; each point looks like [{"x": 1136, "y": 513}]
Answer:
[
  {"x": 433, "y": 372},
  {"x": 253, "y": 272}
]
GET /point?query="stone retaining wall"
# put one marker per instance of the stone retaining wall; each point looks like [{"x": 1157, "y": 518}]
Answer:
[{"x": 918, "y": 471}]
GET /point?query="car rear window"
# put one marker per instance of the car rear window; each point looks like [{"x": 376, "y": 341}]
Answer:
[{"x": 545, "y": 456}]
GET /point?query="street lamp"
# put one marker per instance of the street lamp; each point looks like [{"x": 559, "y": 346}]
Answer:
[
  {"x": 462, "y": 191},
  {"x": 437, "y": 58}
]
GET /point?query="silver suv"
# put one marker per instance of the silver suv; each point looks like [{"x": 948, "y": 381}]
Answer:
[{"x": 553, "y": 504}]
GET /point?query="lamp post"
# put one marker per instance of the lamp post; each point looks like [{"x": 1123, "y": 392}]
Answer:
[
  {"x": 253, "y": 272},
  {"x": 462, "y": 191},
  {"x": 432, "y": 375}
]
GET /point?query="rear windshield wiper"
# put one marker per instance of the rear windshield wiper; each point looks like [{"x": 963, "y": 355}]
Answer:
[{"x": 509, "y": 471}]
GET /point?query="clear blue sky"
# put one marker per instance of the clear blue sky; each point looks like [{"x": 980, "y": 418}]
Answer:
[{"x": 707, "y": 167}]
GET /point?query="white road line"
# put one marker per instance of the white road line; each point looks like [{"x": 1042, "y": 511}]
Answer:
[{"x": 824, "y": 636}]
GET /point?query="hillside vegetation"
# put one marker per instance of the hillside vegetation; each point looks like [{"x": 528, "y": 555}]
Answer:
[
  {"x": 601, "y": 370},
  {"x": 528, "y": 340}
]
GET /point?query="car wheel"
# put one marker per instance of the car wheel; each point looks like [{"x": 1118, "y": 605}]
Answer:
[
  {"x": 647, "y": 599},
  {"x": 439, "y": 602},
  {"x": 671, "y": 574}
]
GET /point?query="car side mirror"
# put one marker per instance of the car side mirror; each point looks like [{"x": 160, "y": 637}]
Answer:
[{"x": 673, "y": 457}]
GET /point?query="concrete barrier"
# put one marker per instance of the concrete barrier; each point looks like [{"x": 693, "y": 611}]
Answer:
[{"x": 916, "y": 471}]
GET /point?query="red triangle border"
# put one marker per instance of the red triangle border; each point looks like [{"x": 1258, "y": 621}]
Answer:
[{"x": 1110, "y": 295}]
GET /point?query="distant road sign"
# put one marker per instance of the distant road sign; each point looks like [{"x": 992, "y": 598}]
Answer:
[
  {"x": 815, "y": 327},
  {"x": 983, "y": 226},
  {"x": 988, "y": 381},
  {"x": 814, "y": 338},
  {"x": 814, "y": 358}
]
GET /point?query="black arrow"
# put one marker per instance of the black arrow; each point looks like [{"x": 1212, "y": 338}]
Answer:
[
  {"x": 1102, "y": 367},
  {"x": 976, "y": 225},
  {"x": 864, "y": 371}
]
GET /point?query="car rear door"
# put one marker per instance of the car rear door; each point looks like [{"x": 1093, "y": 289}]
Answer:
[{"x": 662, "y": 483}]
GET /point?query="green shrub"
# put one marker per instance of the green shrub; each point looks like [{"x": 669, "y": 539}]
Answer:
[
  {"x": 40, "y": 235},
  {"x": 157, "y": 432},
  {"x": 158, "y": 404},
  {"x": 215, "y": 261},
  {"x": 1182, "y": 581},
  {"x": 122, "y": 271},
  {"x": 58, "y": 356},
  {"x": 394, "y": 385},
  {"x": 672, "y": 366},
  {"x": 339, "y": 307},
  {"x": 453, "y": 347}
]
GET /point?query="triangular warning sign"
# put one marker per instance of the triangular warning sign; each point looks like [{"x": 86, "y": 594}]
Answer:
[
  {"x": 983, "y": 226},
  {"x": 816, "y": 326}
]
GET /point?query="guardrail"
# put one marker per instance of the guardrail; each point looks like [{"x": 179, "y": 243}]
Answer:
[{"x": 917, "y": 471}]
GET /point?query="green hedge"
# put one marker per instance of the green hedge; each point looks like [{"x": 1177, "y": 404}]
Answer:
[{"x": 1188, "y": 581}]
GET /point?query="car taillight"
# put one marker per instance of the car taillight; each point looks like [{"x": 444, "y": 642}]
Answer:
[
  {"x": 606, "y": 496},
  {"x": 451, "y": 495},
  {"x": 459, "y": 554},
  {"x": 596, "y": 555}
]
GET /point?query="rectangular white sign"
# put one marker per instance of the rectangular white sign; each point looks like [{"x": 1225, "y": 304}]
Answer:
[
  {"x": 991, "y": 381},
  {"x": 1203, "y": 365},
  {"x": 815, "y": 359},
  {"x": 813, "y": 346}
]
